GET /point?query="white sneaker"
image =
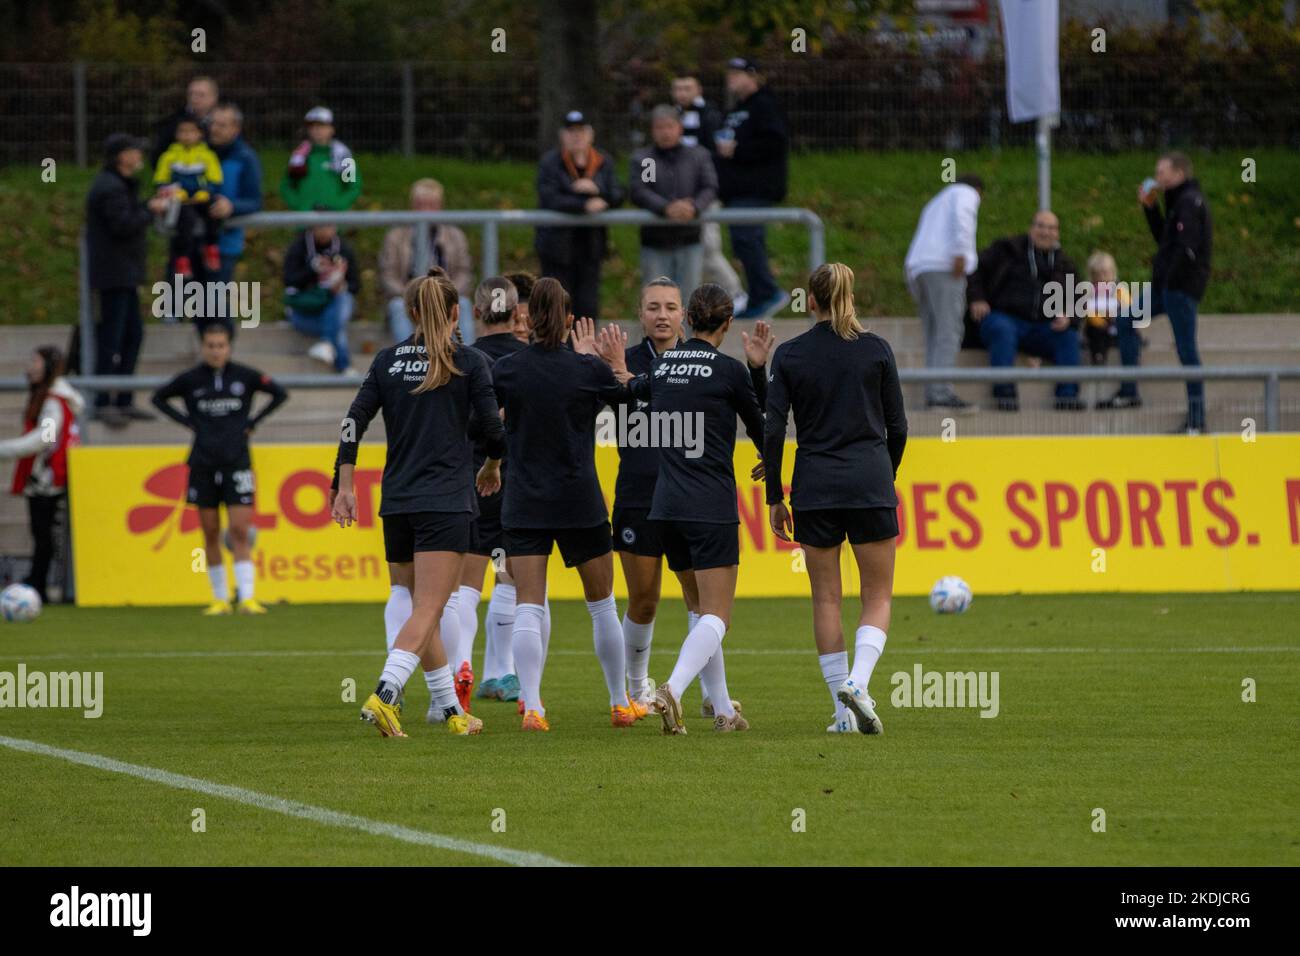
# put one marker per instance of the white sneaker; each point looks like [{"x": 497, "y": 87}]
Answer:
[
  {"x": 848, "y": 725},
  {"x": 645, "y": 696},
  {"x": 349, "y": 372},
  {"x": 322, "y": 352},
  {"x": 740, "y": 303},
  {"x": 857, "y": 700}
]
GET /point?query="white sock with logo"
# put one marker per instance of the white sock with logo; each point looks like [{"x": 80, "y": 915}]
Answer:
[
  {"x": 397, "y": 671},
  {"x": 636, "y": 645},
  {"x": 442, "y": 692},
  {"x": 835, "y": 671},
  {"x": 244, "y": 577},
  {"x": 498, "y": 623},
  {"x": 700, "y": 645},
  {"x": 870, "y": 645},
  {"x": 607, "y": 635},
  {"x": 217, "y": 578},
  {"x": 529, "y": 655},
  {"x": 467, "y": 599},
  {"x": 396, "y": 611}
]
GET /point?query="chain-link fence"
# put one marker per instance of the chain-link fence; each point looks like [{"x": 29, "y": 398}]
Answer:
[{"x": 489, "y": 108}]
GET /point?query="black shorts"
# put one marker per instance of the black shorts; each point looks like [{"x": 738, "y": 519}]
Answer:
[
  {"x": 577, "y": 545},
  {"x": 405, "y": 534},
  {"x": 828, "y": 527},
  {"x": 210, "y": 487},
  {"x": 635, "y": 533},
  {"x": 698, "y": 545},
  {"x": 490, "y": 536}
]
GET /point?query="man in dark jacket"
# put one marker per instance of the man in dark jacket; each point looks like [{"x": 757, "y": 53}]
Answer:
[
  {"x": 117, "y": 226},
  {"x": 1179, "y": 275},
  {"x": 200, "y": 100},
  {"x": 321, "y": 278},
  {"x": 677, "y": 182},
  {"x": 752, "y": 159},
  {"x": 577, "y": 178},
  {"x": 1018, "y": 296},
  {"x": 240, "y": 193}
]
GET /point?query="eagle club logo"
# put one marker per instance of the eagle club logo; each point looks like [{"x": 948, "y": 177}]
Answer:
[{"x": 168, "y": 511}]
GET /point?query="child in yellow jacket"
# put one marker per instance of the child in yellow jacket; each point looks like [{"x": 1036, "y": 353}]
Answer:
[
  {"x": 188, "y": 172},
  {"x": 1109, "y": 300}
]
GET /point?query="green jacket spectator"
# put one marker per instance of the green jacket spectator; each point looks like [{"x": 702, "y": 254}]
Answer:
[{"x": 322, "y": 173}]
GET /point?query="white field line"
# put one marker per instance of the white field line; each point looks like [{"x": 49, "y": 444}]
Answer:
[
  {"x": 290, "y": 808},
  {"x": 669, "y": 649}
]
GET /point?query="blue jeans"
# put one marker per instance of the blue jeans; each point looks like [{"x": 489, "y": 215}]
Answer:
[
  {"x": 749, "y": 243},
  {"x": 400, "y": 327},
  {"x": 1003, "y": 335},
  {"x": 329, "y": 325},
  {"x": 1181, "y": 309}
]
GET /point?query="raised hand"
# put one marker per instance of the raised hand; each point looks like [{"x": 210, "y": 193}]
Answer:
[
  {"x": 758, "y": 345},
  {"x": 583, "y": 336}
]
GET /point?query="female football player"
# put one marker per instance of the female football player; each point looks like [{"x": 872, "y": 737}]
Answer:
[
  {"x": 426, "y": 388},
  {"x": 218, "y": 397},
  {"x": 694, "y": 501},
  {"x": 636, "y": 537},
  {"x": 551, "y": 395},
  {"x": 842, "y": 383}
]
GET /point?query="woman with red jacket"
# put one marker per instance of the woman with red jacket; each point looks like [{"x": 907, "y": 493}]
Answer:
[{"x": 49, "y": 430}]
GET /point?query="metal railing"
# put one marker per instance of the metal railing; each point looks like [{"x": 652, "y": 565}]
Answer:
[{"x": 490, "y": 221}]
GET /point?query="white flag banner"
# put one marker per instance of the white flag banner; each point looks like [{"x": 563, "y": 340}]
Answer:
[{"x": 1031, "y": 32}]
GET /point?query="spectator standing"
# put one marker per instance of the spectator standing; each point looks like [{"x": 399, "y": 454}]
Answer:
[
  {"x": 677, "y": 182},
  {"x": 409, "y": 251},
  {"x": 49, "y": 430},
  {"x": 322, "y": 173},
  {"x": 1180, "y": 273},
  {"x": 941, "y": 256},
  {"x": 576, "y": 178},
  {"x": 701, "y": 121},
  {"x": 1009, "y": 300},
  {"x": 753, "y": 164},
  {"x": 320, "y": 280},
  {"x": 241, "y": 184},
  {"x": 117, "y": 225},
  {"x": 201, "y": 97}
]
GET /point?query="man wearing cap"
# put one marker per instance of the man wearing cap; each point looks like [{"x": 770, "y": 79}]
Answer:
[
  {"x": 576, "y": 178},
  {"x": 117, "y": 225},
  {"x": 322, "y": 172},
  {"x": 752, "y": 159}
]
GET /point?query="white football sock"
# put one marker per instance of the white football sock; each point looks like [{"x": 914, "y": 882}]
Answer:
[
  {"x": 467, "y": 599},
  {"x": 692, "y": 618},
  {"x": 529, "y": 655},
  {"x": 244, "y": 577},
  {"x": 713, "y": 680},
  {"x": 396, "y": 611},
  {"x": 546, "y": 628},
  {"x": 449, "y": 630},
  {"x": 701, "y": 644},
  {"x": 636, "y": 645},
  {"x": 399, "y": 668},
  {"x": 217, "y": 578},
  {"x": 870, "y": 645},
  {"x": 835, "y": 671},
  {"x": 442, "y": 692},
  {"x": 607, "y": 635},
  {"x": 498, "y": 623}
]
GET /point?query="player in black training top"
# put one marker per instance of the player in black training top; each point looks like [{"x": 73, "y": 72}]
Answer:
[
  {"x": 695, "y": 393},
  {"x": 550, "y": 395},
  {"x": 426, "y": 387},
  {"x": 842, "y": 383},
  {"x": 496, "y": 302},
  {"x": 636, "y": 537},
  {"x": 218, "y": 396}
]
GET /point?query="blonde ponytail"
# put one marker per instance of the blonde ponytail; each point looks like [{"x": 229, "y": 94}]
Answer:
[
  {"x": 430, "y": 301},
  {"x": 831, "y": 285}
]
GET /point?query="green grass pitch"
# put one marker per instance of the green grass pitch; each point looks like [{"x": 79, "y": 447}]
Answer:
[{"x": 1128, "y": 704}]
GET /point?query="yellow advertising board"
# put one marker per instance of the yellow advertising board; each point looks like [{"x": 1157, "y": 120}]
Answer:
[{"x": 1031, "y": 515}]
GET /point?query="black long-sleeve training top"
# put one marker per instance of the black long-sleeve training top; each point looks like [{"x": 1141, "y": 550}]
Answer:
[
  {"x": 551, "y": 398},
  {"x": 218, "y": 403},
  {"x": 701, "y": 391},
  {"x": 496, "y": 346},
  {"x": 430, "y": 459},
  {"x": 849, "y": 420}
]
